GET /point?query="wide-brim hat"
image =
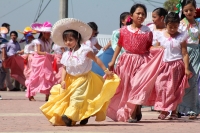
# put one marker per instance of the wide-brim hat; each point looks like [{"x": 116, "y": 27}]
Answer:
[
  {"x": 42, "y": 27},
  {"x": 3, "y": 30},
  {"x": 27, "y": 30},
  {"x": 70, "y": 24},
  {"x": 3, "y": 40}
]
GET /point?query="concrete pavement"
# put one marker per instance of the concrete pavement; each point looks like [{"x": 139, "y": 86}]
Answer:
[{"x": 18, "y": 115}]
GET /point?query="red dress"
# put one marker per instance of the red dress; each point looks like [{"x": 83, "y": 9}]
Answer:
[{"x": 137, "y": 55}]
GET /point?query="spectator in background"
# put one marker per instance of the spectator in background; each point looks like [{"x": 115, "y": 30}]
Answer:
[
  {"x": 4, "y": 35},
  {"x": 8, "y": 50}
]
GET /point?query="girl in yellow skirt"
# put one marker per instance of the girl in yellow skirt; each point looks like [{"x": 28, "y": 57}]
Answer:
[{"x": 82, "y": 93}]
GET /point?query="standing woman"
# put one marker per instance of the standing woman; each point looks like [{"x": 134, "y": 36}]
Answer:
[{"x": 42, "y": 77}]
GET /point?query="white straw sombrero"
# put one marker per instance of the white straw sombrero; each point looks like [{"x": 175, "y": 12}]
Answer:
[{"x": 70, "y": 24}]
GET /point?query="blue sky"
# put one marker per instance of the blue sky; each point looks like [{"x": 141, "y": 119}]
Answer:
[{"x": 104, "y": 12}]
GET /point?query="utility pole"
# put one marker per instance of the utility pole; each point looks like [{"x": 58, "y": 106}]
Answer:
[{"x": 63, "y": 12}]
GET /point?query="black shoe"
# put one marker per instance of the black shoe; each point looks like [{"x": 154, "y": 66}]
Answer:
[
  {"x": 132, "y": 120},
  {"x": 67, "y": 121},
  {"x": 138, "y": 113},
  {"x": 179, "y": 115},
  {"x": 84, "y": 121},
  {"x": 15, "y": 89},
  {"x": 139, "y": 117}
]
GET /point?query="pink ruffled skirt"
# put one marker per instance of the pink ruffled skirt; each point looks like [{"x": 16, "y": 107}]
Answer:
[{"x": 42, "y": 77}]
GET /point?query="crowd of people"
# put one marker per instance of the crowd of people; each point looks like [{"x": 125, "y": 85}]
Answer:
[{"x": 152, "y": 65}]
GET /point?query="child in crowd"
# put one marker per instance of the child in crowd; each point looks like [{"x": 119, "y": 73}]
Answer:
[
  {"x": 107, "y": 52},
  {"x": 28, "y": 49},
  {"x": 158, "y": 25},
  {"x": 124, "y": 20},
  {"x": 136, "y": 39},
  {"x": 191, "y": 102},
  {"x": 93, "y": 42},
  {"x": 3, "y": 30},
  {"x": 171, "y": 83},
  {"x": 42, "y": 77},
  {"x": 57, "y": 52},
  {"x": 12, "y": 63},
  {"x": 81, "y": 94}
]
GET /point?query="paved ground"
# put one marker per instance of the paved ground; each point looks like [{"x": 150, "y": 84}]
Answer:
[{"x": 18, "y": 115}]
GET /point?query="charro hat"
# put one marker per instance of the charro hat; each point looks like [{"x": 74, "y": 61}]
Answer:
[
  {"x": 3, "y": 30},
  {"x": 70, "y": 24},
  {"x": 39, "y": 27},
  {"x": 27, "y": 30}
]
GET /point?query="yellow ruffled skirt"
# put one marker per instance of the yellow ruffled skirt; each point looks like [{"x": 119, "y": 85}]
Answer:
[{"x": 85, "y": 96}]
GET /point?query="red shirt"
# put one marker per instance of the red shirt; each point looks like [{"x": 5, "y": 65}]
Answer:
[{"x": 137, "y": 43}]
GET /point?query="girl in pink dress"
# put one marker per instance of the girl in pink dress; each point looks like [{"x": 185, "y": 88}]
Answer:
[
  {"x": 28, "y": 49},
  {"x": 42, "y": 77},
  {"x": 136, "y": 39},
  {"x": 158, "y": 25},
  {"x": 174, "y": 71}
]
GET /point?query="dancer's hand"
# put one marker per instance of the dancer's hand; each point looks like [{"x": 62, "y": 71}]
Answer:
[
  {"x": 188, "y": 73},
  {"x": 63, "y": 84},
  {"x": 105, "y": 47},
  {"x": 108, "y": 74},
  {"x": 111, "y": 65}
]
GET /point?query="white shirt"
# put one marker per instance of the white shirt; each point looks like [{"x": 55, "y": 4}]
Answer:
[
  {"x": 93, "y": 41},
  {"x": 172, "y": 46},
  {"x": 45, "y": 47},
  {"x": 155, "y": 34},
  {"x": 29, "y": 48},
  {"x": 194, "y": 30},
  {"x": 57, "y": 49},
  {"x": 77, "y": 62},
  {"x": 144, "y": 29}
]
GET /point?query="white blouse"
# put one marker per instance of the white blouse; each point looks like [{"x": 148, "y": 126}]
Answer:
[
  {"x": 29, "y": 48},
  {"x": 77, "y": 62},
  {"x": 91, "y": 43},
  {"x": 144, "y": 29},
  {"x": 155, "y": 34},
  {"x": 57, "y": 49},
  {"x": 172, "y": 46},
  {"x": 195, "y": 31},
  {"x": 45, "y": 47}
]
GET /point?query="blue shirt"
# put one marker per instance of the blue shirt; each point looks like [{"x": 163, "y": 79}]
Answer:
[{"x": 12, "y": 48}]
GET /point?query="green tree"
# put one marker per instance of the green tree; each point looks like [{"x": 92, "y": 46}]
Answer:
[{"x": 170, "y": 5}]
